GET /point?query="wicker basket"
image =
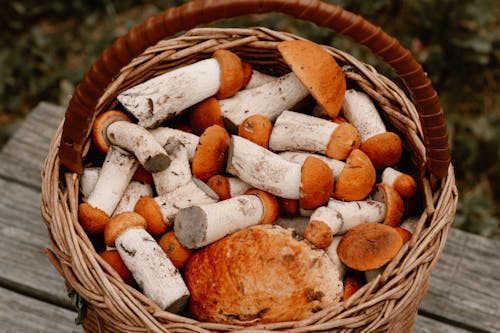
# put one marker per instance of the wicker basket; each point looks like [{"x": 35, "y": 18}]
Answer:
[{"x": 387, "y": 304}]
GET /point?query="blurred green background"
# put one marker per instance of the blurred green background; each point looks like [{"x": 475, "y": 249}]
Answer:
[{"x": 48, "y": 45}]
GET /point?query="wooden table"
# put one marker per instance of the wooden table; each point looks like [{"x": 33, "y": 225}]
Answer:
[{"x": 464, "y": 292}]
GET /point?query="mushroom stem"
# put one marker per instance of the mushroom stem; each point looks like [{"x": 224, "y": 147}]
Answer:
[
  {"x": 297, "y": 223},
  {"x": 269, "y": 100},
  {"x": 189, "y": 140},
  {"x": 178, "y": 172},
  {"x": 227, "y": 187},
  {"x": 134, "y": 191},
  {"x": 404, "y": 184},
  {"x": 141, "y": 143},
  {"x": 258, "y": 79},
  {"x": 152, "y": 270},
  {"x": 88, "y": 179},
  {"x": 299, "y": 157},
  {"x": 331, "y": 251},
  {"x": 297, "y": 131}
]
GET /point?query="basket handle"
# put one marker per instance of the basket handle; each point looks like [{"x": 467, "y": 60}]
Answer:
[{"x": 82, "y": 106}]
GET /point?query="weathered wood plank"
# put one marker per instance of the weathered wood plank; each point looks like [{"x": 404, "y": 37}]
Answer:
[
  {"x": 19, "y": 313},
  {"x": 427, "y": 325},
  {"x": 23, "y": 238},
  {"x": 465, "y": 285},
  {"x": 23, "y": 156}
]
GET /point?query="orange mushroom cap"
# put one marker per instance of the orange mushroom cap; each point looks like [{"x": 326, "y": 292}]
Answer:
[
  {"x": 100, "y": 125},
  {"x": 150, "y": 211},
  {"x": 344, "y": 139},
  {"x": 256, "y": 128},
  {"x": 319, "y": 234},
  {"x": 270, "y": 203},
  {"x": 357, "y": 178},
  {"x": 174, "y": 250},
  {"x": 288, "y": 207},
  {"x": 112, "y": 257},
  {"x": 120, "y": 223},
  {"x": 383, "y": 149},
  {"x": 210, "y": 156},
  {"x": 352, "y": 283},
  {"x": 204, "y": 115},
  {"x": 405, "y": 185},
  {"x": 316, "y": 183},
  {"x": 220, "y": 185},
  {"x": 231, "y": 72},
  {"x": 247, "y": 74},
  {"x": 394, "y": 205},
  {"x": 93, "y": 220}
]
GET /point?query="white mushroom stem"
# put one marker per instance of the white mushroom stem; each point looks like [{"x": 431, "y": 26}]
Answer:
[
  {"x": 298, "y": 224},
  {"x": 167, "y": 95},
  {"x": 141, "y": 143},
  {"x": 410, "y": 224},
  {"x": 299, "y": 157},
  {"x": 195, "y": 192},
  {"x": 237, "y": 186},
  {"x": 298, "y": 131},
  {"x": 88, "y": 179},
  {"x": 154, "y": 272},
  {"x": 354, "y": 213},
  {"x": 178, "y": 172},
  {"x": 190, "y": 141},
  {"x": 116, "y": 173},
  {"x": 360, "y": 111},
  {"x": 134, "y": 191},
  {"x": 201, "y": 225},
  {"x": 258, "y": 79},
  {"x": 269, "y": 100},
  {"x": 331, "y": 251},
  {"x": 263, "y": 169}
]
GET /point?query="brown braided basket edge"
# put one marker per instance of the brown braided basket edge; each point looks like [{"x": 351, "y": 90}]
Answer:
[{"x": 387, "y": 304}]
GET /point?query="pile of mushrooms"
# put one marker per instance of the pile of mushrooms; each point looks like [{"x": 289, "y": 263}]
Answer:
[{"x": 219, "y": 190}]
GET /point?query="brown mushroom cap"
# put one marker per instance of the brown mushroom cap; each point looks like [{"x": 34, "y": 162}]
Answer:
[
  {"x": 383, "y": 149},
  {"x": 177, "y": 253},
  {"x": 112, "y": 257},
  {"x": 405, "y": 185},
  {"x": 231, "y": 72},
  {"x": 405, "y": 234},
  {"x": 143, "y": 176},
  {"x": 357, "y": 178},
  {"x": 352, "y": 283},
  {"x": 247, "y": 74},
  {"x": 319, "y": 234},
  {"x": 220, "y": 185},
  {"x": 318, "y": 71},
  {"x": 344, "y": 139},
  {"x": 394, "y": 205},
  {"x": 210, "y": 156},
  {"x": 93, "y": 220},
  {"x": 150, "y": 211},
  {"x": 100, "y": 125},
  {"x": 120, "y": 223},
  {"x": 205, "y": 114},
  {"x": 270, "y": 204},
  {"x": 288, "y": 207},
  {"x": 316, "y": 183},
  {"x": 256, "y": 128},
  {"x": 369, "y": 246}
]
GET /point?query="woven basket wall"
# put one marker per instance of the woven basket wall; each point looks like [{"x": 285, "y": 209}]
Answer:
[{"x": 387, "y": 304}]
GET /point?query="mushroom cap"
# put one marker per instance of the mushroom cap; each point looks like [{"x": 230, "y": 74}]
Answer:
[
  {"x": 352, "y": 283},
  {"x": 343, "y": 140},
  {"x": 319, "y": 234},
  {"x": 269, "y": 202},
  {"x": 177, "y": 253},
  {"x": 243, "y": 287},
  {"x": 256, "y": 128},
  {"x": 247, "y": 74},
  {"x": 93, "y": 220},
  {"x": 394, "y": 205},
  {"x": 231, "y": 73},
  {"x": 220, "y": 185},
  {"x": 369, "y": 246},
  {"x": 112, "y": 257},
  {"x": 316, "y": 183},
  {"x": 383, "y": 149},
  {"x": 151, "y": 212},
  {"x": 100, "y": 125},
  {"x": 142, "y": 176},
  {"x": 318, "y": 71},
  {"x": 405, "y": 185},
  {"x": 288, "y": 207},
  {"x": 120, "y": 223},
  {"x": 210, "y": 156},
  {"x": 357, "y": 178},
  {"x": 204, "y": 115},
  {"x": 405, "y": 234}
]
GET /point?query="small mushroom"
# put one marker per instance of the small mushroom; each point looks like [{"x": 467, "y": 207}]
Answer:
[
  {"x": 382, "y": 147},
  {"x": 178, "y": 173},
  {"x": 352, "y": 283},
  {"x": 189, "y": 140},
  {"x": 227, "y": 187},
  {"x": 256, "y": 128},
  {"x": 152, "y": 270},
  {"x": 211, "y": 153},
  {"x": 100, "y": 126},
  {"x": 174, "y": 250},
  {"x": 115, "y": 175},
  {"x": 403, "y": 183},
  {"x": 318, "y": 71},
  {"x": 311, "y": 182},
  {"x": 393, "y": 202},
  {"x": 112, "y": 257},
  {"x": 369, "y": 246},
  {"x": 204, "y": 115},
  {"x": 297, "y": 131},
  {"x": 200, "y": 225},
  {"x": 165, "y": 96}
]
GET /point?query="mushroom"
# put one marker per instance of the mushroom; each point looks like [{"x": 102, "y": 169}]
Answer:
[
  {"x": 211, "y": 153},
  {"x": 393, "y": 202},
  {"x": 352, "y": 283},
  {"x": 160, "y": 211},
  {"x": 134, "y": 191},
  {"x": 318, "y": 71},
  {"x": 339, "y": 217},
  {"x": 189, "y": 140},
  {"x": 311, "y": 183},
  {"x": 297, "y": 223},
  {"x": 112, "y": 257},
  {"x": 88, "y": 179},
  {"x": 354, "y": 179},
  {"x": 165, "y": 96},
  {"x": 100, "y": 126},
  {"x": 178, "y": 173},
  {"x": 384, "y": 148},
  {"x": 204, "y": 115},
  {"x": 246, "y": 290},
  {"x": 288, "y": 207},
  {"x": 297, "y": 131},
  {"x": 331, "y": 251},
  {"x": 200, "y": 225},
  {"x": 404, "y": 184},
  {"x": 369, "y": 246},
  {"x": 174, "y": 250},
  {"x": 152, "y": 270},
  {"x": 227, "y": 187},
  {"x": 258, "y": 79},
  {"x": 256, "y": 128},
  {"x": 115, "y": 175}
]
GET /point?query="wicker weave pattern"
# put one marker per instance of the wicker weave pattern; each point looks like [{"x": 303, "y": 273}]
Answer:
[{"x": 387, "y": 304}]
